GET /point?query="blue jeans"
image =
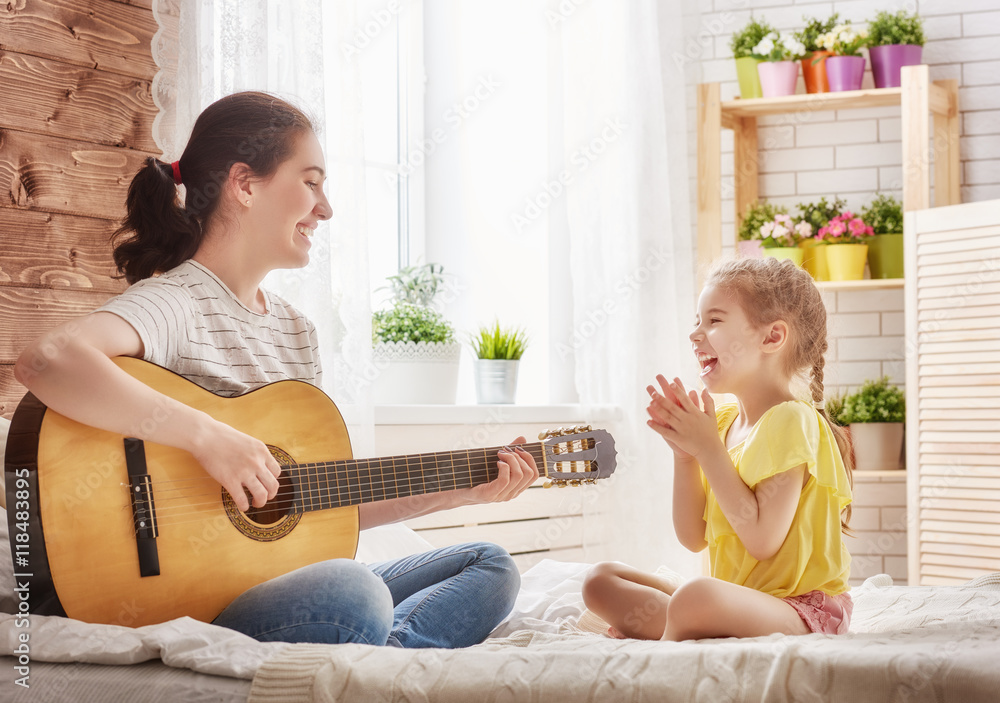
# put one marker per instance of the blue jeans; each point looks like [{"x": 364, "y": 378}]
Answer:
[{"x": 450, "y": 597}]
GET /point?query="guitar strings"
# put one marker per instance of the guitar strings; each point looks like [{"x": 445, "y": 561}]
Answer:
[
  {"x": 318, "y": 473},
  {"x": 477, "y": 468}
]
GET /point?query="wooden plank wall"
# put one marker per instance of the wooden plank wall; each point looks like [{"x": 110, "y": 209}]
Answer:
[{"x": 76, "y": 116}]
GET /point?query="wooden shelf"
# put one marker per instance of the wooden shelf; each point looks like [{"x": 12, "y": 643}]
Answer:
[
  {"x": 919, "y": 99},
  {"x": 887, "y": 473},
  {"x": 866, "y": 284}
]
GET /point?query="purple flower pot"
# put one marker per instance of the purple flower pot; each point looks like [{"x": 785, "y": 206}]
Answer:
[
  {"x": 845, "y": 72},
  {"x": 887, "y": 60}
]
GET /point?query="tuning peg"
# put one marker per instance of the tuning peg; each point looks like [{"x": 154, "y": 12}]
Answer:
[{"x": 547, "y": 484}]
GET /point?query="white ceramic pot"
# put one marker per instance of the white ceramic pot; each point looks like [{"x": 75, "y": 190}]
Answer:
[
  {"x": 415, "y": 373},
  {"x": 878, "y": 446}
]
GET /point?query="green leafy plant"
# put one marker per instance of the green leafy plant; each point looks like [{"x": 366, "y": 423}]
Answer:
[
  {"x": 899, "y": 28},
  {"x": 875, "y": 401},
  {"x": 411, "y": 317},
  {"x": 884, "y": 214},
  {"x": 499, "y": 342},
  {"x": 820, "y": 212},
  {"x": 744, "y": 40},
  {"x": 809, "y": 35},
  {"x": 757, "y": 215},
  {"x": 406, "y": 322},
  {"x": 418, "y": 284}
]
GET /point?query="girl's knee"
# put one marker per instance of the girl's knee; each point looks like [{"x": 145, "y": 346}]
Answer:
[
  {"x": 599, "y": 582},
  {"x": 691, "y": 604}
]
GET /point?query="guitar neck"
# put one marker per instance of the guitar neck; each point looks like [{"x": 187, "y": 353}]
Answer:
[{"x": 335, "y": 484}]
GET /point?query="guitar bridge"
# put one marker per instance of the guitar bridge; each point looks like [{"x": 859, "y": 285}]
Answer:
[{"x": 143, "y": 510}]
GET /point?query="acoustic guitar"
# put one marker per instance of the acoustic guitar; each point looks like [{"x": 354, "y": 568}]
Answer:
[{"x": 106, "y": 528}]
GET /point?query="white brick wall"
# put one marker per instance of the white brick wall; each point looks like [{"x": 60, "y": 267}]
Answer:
[
  {"x": 854, "y": 154},
  {"x": 878, "y": 545}
]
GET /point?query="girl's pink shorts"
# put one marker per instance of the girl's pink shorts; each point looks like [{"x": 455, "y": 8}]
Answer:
[{"x": 830, "y": 615}]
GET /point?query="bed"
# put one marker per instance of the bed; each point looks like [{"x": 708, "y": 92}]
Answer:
[{"x": 937, "y": 643}]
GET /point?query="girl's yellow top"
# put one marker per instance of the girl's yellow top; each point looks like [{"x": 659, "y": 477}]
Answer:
[{"x": 813, "y": 556}]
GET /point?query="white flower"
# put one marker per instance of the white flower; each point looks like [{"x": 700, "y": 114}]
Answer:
[
  {"x": 791, "y": 45},
  {"x": 765, "y": 46},
  {"x": 779, "y": 231},
  {"x": 803, "y": 229},
  {"x": 765, "y": 229}
]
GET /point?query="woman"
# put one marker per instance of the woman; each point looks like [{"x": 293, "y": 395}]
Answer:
[{"x": 253, "y": 171}]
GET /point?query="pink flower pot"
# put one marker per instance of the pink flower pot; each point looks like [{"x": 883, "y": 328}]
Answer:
[
  {"x": 778, "y": 78},
  {"x": 887, "y": 60},
  {"x": 845, "y": 72},
  {"x": 750, "y": 249}
]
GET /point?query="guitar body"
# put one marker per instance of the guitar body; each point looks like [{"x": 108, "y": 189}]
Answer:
[{"x": 81, "y": 549}]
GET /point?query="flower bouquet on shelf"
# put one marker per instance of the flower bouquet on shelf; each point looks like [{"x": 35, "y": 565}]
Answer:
[
  {"x": 780, "y": 237},
  {"x": 814, "y": 62},
  {"x": 749, "y": 243},
  {"x": 742, "y": 43},
  {"x": 885, "y": 249},
  {"x": 845, "y": 67},
  {"x": 847, "y": 237},
  {"x": 817, "y": 214},
  {"x": 894, "y": 41},
  {"x": 778, "y": 68}
]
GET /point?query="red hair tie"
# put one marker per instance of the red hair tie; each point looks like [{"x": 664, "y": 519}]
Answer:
[{"x": 176, "y": 166}]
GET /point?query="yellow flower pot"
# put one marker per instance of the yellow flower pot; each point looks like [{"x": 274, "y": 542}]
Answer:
[
  {"x": 846, "y": 262},
  {"x": 793, "y": 254},
  {"x": 814, "y": 259}
]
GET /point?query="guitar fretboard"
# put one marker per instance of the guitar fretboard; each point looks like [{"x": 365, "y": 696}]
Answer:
[{"x": 334, "y": 484}]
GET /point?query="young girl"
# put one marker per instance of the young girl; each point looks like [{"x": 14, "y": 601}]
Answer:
[
  {"x": 762, "y": 482},
  {"x": 253, "y": 171}
]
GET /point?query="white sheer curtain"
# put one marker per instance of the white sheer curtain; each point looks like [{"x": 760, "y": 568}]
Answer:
[
  {"x": 630, "y": 241},
  {"x": 210, "y": 48}
]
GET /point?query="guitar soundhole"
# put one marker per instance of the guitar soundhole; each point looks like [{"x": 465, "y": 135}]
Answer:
[
  {"x": 276, "y": 519},
  {"x": 276, "y": 508}
]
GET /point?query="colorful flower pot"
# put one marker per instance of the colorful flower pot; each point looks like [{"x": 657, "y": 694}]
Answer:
[
  {"x": 814, "y": 72},
  {"x": 749, "y": 79},
  {"x": 793, "y": 254},
  {"x": 846, "y": 262},
  {"x": 887, "y": 60},
  {"x": 749, "y": 249},
  {"x": 814, "y": 259},
  {"x": 778, "y": 78},
  {"x": 885, "y": 255},
  {"x": 845, "y": 72}
]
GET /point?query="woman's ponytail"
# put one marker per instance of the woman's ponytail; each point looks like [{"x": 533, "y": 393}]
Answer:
[{"x": 157, "y": 233}]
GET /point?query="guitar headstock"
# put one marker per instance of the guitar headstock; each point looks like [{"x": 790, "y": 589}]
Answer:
[{"x": 575, "y": 455}]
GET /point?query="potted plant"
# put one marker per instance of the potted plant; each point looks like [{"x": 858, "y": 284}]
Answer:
[
  {"x": 749, "y": 243},
  {"x": 875, "y": 413},
  {"x": 845, "y": 67},
  {"x": 414, "y": 346},
  {"x": 817, "y": 214},
  {"x": 781, "y": 235},
  {"x": 814, "y": 62},
  {"x": 742, "y": 44},
  {"x": 778, "y": 68},
  {"x": 846, "y": 236},
  {"x": 498, "y": 353},
  {"x": 885, "y": 249},
  {"x": 894, "y": 41}
]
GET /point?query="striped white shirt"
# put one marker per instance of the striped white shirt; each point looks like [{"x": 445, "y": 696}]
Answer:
[{"x": 191, "y": 323}]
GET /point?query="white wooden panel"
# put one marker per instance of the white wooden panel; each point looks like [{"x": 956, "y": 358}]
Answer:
[
  {"x": 952, "y": 316},
  {"x": 529, "y": 559},
  {"x": 533, "y": 503}
]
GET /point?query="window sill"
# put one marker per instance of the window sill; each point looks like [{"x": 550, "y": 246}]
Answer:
[{"x": 494, "y": 414}]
